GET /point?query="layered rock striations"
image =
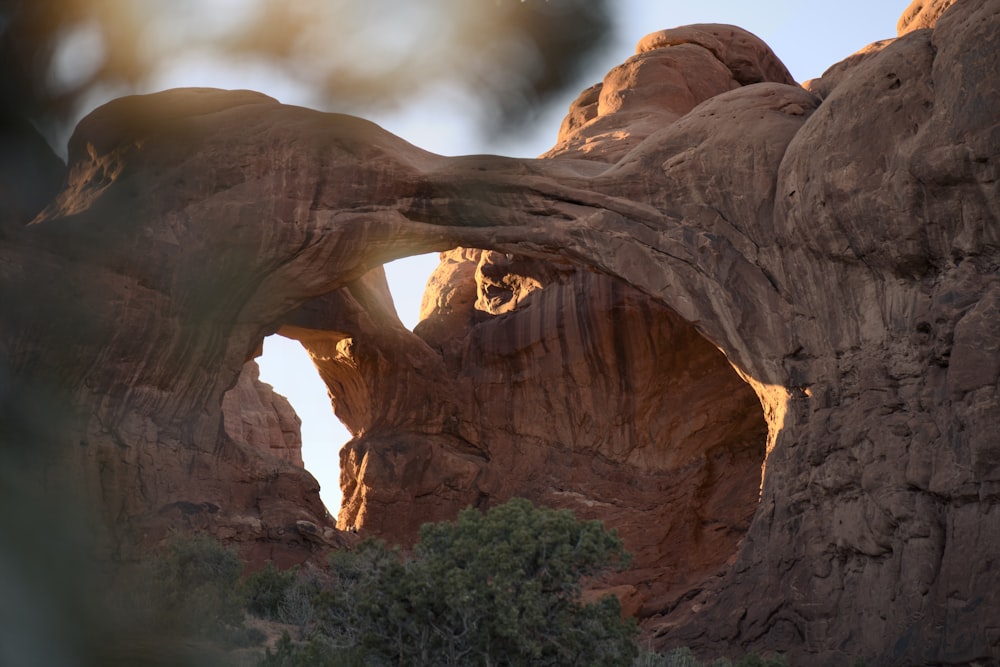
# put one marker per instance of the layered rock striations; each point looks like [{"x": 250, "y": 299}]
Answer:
[
  {"x": 253, "y": 414},
  {"x": 533, "y": 379},
  {"x": 839, "y": 248},
  {"x": 672, "y": 72}
]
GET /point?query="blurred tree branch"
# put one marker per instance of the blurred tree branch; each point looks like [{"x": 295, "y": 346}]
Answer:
[{"x": 57, "y": 57}]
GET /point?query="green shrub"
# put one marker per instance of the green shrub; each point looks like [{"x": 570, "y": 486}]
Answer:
[
  {"x": 265, "y": 590},
  {"x": 683, "y": 657},
  {"x": 754, "y": 660},
  {"x": 317, "y": 652},
  {"x": 680, "y": 657},
  {"x": 504, "y": 587},
  {"x": 195, "y": 590},
  {"x": 500, "y": 588}
]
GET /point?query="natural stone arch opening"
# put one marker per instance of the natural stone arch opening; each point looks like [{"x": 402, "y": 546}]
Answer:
[
  {"x": 320, "y": 253},
  {"x": 407, "y": 280},
  {"x": 879, "y": 482},
  {"x": 534, "y": 378},
  {"x": 286, "y": 366}
]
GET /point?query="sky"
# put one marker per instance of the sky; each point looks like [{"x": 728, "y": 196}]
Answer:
[{"x": 808, "y": 37}]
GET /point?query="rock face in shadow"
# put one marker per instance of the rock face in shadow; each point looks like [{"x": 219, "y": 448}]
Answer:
[
  {"x": 841, "y": 250},
  {"x": 532, "y": 379}
]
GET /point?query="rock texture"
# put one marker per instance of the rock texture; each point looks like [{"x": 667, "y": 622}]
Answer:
[
  {"x": 921, "y": 15},
  {"x": 841, "y": 251},
  {"x": 254, "y": 415},
  {"x": 672, "y": 72},
  {"x": 533, "y": 379}
]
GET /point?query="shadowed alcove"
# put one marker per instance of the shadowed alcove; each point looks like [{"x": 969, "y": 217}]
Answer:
[{"x": 533, "y": 378}]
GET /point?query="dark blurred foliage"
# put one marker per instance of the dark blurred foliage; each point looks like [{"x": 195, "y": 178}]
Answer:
[{"x": 60, "y": 57}]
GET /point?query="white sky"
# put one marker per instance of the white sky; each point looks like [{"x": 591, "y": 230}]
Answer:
[{"x": 808, "y": 36}]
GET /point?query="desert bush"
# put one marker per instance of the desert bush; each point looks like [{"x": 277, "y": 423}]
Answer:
[
  {"x": 264, "y": 590},
  {"x": 298, "y": 606},
  {"x": 195, "y": 588},
  {"x": 683, "y": 657},
  {"x": 495, "y": 588}
]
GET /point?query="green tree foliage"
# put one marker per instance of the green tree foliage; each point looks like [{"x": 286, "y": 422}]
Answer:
[
  {"x": 500, "y": 588},
  {"x": 320, "y": 651},
  {"x": 265, "y": 590},
  {"x": 195, "y": 589},
  {"x": 683, "y": 657},
  {"x": 504, "y": 588},
  {"x": 59, "y": 55}
]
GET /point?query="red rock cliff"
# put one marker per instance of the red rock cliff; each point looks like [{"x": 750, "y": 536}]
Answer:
[
  {"x": 533, "y": 379},
  {"x": 840, "y": 247}
]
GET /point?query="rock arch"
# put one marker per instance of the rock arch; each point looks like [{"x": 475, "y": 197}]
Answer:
[
  {"x": 567, "y": 387},
  {"x": 839, "y": 248}
]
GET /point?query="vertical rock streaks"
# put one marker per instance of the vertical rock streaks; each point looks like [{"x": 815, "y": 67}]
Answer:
[{"x": 713, "y": 269}]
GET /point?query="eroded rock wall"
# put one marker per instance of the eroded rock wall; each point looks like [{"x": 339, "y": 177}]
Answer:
[
  {"x": 254, "y": 414},
  {"x": 533, "y": 379},
  {"x": 841, "y": 250}
]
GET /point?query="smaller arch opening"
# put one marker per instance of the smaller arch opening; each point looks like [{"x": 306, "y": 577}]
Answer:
[
  {"x": 286, "y": 366},
  {"x": 407, "y": 279}
]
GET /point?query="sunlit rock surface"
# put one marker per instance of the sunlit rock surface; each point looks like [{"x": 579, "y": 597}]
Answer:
[
  {"x": 253, "y": 414},
  {"x": 672, "y": 72},
  {"x": 839, "y": 248}
]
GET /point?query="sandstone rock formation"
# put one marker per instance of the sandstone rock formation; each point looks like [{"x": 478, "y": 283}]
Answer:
[
  {"x": 254, "y": 415},
  {"x": 840, "y": 250},
  {"x": 658, "y": 85},
  {"x": 533, "y": 379},
  {"x": 921, "y": 15}
]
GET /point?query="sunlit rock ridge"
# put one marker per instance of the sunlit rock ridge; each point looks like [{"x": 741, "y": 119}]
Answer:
[{"x": 753, "y": 325}]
